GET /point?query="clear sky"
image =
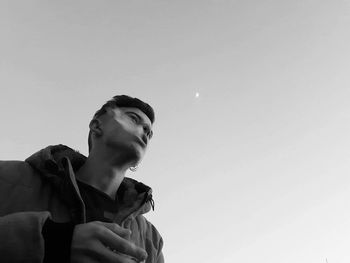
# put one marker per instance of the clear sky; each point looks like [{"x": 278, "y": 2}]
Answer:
[{"x": 250, "y": 156}]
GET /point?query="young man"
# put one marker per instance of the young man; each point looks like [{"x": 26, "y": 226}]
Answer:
[{"x": 60, "y": 206}]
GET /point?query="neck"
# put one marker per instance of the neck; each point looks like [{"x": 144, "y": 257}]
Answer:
[{"x": 105, "y": 174}]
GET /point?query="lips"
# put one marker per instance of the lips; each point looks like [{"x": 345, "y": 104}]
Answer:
[{"x": 141, "y": 142}]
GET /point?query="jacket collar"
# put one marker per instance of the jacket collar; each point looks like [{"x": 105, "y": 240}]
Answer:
[{"x": 58, "y": 164}]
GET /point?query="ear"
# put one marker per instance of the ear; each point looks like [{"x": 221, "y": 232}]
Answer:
[{"x": 95, "y": 127}]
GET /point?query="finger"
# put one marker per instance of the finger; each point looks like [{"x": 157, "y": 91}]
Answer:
[
  {"x": 108, "y": 256},
  {"x": 132, "y": 258},
  {"x": 115, "y": 228},
  {"x": 123, "y": 246}
]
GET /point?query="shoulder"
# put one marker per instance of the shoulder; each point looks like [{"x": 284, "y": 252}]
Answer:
[{"x": 16, "y": 172}]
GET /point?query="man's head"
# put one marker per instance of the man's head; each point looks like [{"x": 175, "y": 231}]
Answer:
[{"x": 123, "y": 117}]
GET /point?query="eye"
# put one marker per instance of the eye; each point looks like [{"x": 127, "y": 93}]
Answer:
[{"x": 134, "y": 118}]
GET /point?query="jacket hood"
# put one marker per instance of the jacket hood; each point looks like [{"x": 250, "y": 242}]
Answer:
[{"x": 52, "y": 162}]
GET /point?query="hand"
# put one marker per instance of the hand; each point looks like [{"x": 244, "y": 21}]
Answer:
[{"x": 104, "y": 242}]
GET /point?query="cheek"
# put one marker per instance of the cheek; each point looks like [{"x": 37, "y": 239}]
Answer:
[{"x": 123, "y": 128}]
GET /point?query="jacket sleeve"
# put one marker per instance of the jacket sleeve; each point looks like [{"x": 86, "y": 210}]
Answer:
[
  {"x": 160, "y": 256},
  {"x": 21, "y": 237},
  {"x": 27, "y": 233},
  {"x": 154, "y": 245}
]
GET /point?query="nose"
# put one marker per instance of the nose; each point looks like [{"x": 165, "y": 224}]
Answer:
[{"x": 146, "y": 134}]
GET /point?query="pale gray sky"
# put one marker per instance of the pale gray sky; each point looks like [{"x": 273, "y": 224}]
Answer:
[{"x": 255, "y": 168}]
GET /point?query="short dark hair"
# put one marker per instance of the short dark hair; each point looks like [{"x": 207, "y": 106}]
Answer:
[{"x": 123, "y": 101}]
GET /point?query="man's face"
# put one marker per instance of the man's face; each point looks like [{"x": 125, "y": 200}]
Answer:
[{"x": 128, "y": 130}]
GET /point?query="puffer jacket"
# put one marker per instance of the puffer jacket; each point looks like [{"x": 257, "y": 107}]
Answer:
[{"x": 44, "y": 186}]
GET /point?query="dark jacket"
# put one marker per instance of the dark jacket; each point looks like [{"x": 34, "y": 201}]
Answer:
[{"x": 44, "y": 186}]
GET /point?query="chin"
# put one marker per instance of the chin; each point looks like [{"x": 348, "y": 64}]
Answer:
[
  {"x": 134, "y": 152},
  {"x": 139, "y": 151},
  {"x": 138, "y": 156}
]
